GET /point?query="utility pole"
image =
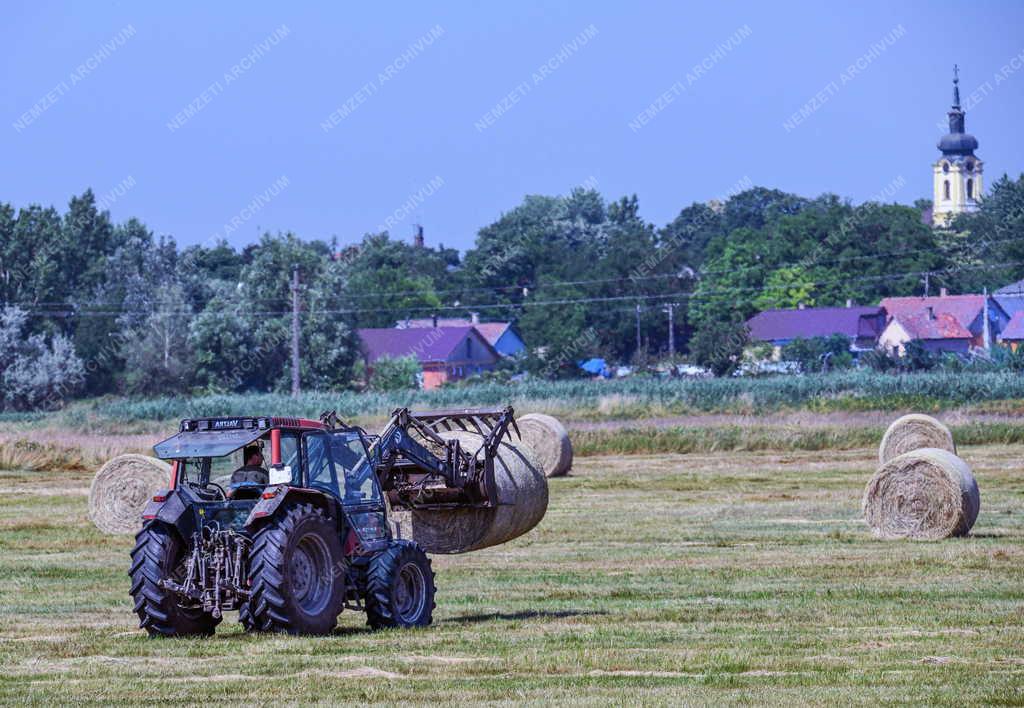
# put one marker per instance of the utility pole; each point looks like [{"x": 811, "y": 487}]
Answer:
[
  {"x": 986, "y": 331},
  {"x": 670, "y": 308},
  {"x": 638, "y": 347},
  {"x": 926, "y": 283},
  {"x": 295, "y": 331}
]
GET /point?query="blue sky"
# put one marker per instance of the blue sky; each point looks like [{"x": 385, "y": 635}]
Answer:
[{"x": 326, "y": 119}]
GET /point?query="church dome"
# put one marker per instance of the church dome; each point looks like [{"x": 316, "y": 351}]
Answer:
[
  {"x": 958, "y": 144},
  {"x": 957, "y": 141}
]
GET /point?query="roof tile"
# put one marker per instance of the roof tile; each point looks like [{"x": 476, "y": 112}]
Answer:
[
  {"x": 964, "y": 308},
  {"x": 943, "y": 325}
]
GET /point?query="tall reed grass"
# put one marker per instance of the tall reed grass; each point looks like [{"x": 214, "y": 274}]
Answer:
[
  {"x": 585, "y": 399},
  {"x": 648, "y": 441}
]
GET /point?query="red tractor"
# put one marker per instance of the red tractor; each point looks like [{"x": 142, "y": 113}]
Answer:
[{"x": 291, "y": 554}]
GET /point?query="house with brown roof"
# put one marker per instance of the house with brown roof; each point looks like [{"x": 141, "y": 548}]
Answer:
[
  {"x": 501, "y": 335},
  {"x": 931, "y": 319},
  {"x": 444, "y": 353}
]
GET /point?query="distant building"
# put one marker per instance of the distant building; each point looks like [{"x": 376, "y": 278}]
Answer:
[
  {"x": 1013, "y": 335},
  {"x": 936, "y": 331},
  {"x": 444, "y": 353},
  {"x": 1011, "y": 297},
  {"x": 501, "y": 335},
  {"x": 943, "y": 323},
  {"x": 861, "y": 324},
  {"x": 957, "y": 175}
]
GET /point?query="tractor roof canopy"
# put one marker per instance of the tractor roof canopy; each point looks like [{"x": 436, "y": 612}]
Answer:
[
  {"x": 213, "y": 443},
  {"x": 216, "y": 437}
]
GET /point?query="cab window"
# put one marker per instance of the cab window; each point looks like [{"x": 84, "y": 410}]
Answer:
[
  {"x": 290, "y": 456},
  {"x": 319, "y": 470},
  {"x": 350, "y": 461}
]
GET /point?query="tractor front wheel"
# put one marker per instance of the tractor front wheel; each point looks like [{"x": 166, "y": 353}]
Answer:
[
  {"x": 296, "y": 574},
  {"x": 160, "y": 554},
  {"x": 400, "y": 587}
]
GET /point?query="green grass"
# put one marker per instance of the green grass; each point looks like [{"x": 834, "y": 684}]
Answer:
[
  {"x": 638, "y": 397},
  {"x": 720, "y": 578}
]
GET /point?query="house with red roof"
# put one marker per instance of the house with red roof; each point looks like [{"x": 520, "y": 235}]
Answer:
[
  {"x": 941, "y": 321},
  {"x": 936, "y": 331},
  {"x": 501, "y": 335},
  {"x": 445, "y": 353}
]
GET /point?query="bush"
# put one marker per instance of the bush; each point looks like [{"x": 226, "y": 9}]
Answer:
[
  {"x": 820, "y": 353},
  {"x": 915, "y": 358},
  {"x": 718, "y": 346},
  {"x": 395, "y": 373},
  {"x": 35, "y": 374}
]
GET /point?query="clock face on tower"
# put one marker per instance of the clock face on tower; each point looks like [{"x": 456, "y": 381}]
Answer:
[
  {"x": 945, "y": 167},
  {"x": 970, "y": 166}
]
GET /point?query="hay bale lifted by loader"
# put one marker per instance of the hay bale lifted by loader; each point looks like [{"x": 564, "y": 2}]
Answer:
[{"x": 326, "y": 532}]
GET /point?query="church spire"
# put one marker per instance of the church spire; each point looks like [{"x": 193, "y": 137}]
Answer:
[
  {"x": 956, "y": 87},
  {"x": 956, "y": 117}
]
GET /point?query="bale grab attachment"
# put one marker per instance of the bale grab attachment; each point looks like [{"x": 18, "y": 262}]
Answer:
[{"x": 418, "y": 468}]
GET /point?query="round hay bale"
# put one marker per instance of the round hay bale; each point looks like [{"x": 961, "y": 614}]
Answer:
[
  {"x": 121, "y": 490},
  {"x": 549, "y": 440},
  {"x": 913, "y": 432},
  {"x": 522, "y": 502},
  {"x": 923, "y": 494}
]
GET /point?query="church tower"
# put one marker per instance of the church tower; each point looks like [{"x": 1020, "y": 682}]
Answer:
[{"x": 957, "y": 173}]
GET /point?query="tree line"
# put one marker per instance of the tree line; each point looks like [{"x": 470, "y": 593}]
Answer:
[{"x": 91, "y": 307}]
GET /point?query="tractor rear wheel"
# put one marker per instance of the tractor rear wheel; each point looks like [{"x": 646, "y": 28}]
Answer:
[
  {"x": 400, "y": 587},
  {"x": 296, "y": 574},
  {"x": 160, "y": 554}
]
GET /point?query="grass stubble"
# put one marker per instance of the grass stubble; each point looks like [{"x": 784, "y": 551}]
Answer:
[{"x": 710, "y": 577}]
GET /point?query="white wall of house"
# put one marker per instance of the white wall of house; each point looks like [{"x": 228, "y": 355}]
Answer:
[{"x": 893, "y": 337}]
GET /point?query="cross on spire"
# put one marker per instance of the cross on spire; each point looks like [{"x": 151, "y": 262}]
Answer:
[{"x": 956, "y": 87}]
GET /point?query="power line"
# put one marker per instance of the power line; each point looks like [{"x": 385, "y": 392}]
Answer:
[
  {"x": 594, "y": 281},
  {"x": 689, "y": 296}
]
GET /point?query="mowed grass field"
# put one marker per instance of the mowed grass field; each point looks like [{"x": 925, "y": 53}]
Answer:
[{"x": 733, "y": 577}]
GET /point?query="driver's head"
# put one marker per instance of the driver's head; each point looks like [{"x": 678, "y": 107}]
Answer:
[{"x": 252, "y": 455}]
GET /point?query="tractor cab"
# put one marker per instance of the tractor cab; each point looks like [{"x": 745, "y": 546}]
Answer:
[{"x": 301, "y": 458}]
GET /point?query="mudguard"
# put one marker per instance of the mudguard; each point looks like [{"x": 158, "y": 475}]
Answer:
[
  {"x": 267, "y": 505},
  {"x": 274, "y": 496},
  {"x": 171, "y": 511}
]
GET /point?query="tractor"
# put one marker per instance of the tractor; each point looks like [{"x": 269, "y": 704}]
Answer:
[{"x": 319, "y": 536}]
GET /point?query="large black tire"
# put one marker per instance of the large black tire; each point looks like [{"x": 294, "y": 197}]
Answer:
[
  {"x": 400, "y": 587},
  {"x": 159, "y": 553},
  {"x": 297, "y": 574}
]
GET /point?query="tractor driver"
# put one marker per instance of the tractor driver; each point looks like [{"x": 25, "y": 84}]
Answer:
[{"x": 252, "y": 471}]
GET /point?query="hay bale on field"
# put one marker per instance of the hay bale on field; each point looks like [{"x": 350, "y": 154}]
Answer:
[
  {"x": 121, "y": 490},
  {"x": 923, "y": 494},
  {"x": 522, "y": 498},
  {"x": 913, "y": 432},
  {"x": 549, "y": 440}
]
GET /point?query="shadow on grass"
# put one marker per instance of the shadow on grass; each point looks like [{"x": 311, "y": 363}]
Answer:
[{"x": 491, "y": 616}]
